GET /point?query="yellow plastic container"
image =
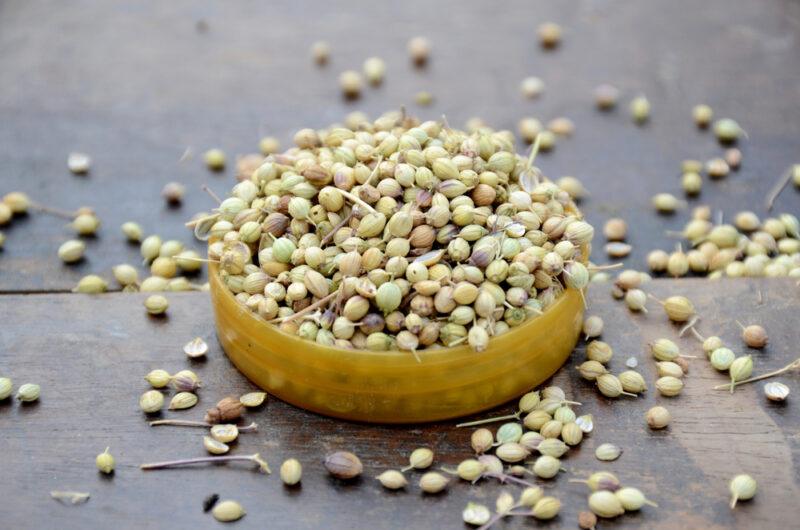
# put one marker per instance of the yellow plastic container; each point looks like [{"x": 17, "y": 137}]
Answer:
[{"x": 391, "y": 386}]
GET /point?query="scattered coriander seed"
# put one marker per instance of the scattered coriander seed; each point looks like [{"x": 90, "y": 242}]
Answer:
[
  {"x": 173, "y": 192},
  {"x": 509, "y": 432},
  {"x": 343, "y": 465},
  {"x": 722, "y": 358},
  {"x": 727, "y": 130},
  {"x": 156, "y": 304},
  {"x": 632, "y": 381},
  {"x": 552, "y": 447},
  {"x": 28, "y": 392},
  {"x": 669, "y": 386},
  {"x": 717, "y": 168},
  {"x": 599, "y": 351},
  {"x": 125, "y": 274},
  {"x": 420, "y": 458},
  {"x": 572, "y": 185},
  {"x": 733, "y": 157},
  {"x": 511, "y": 452},
  {"x": 269, "y": 145},
  {"x": 531, "y": 87},
  {"x": 561, "y": 126},
  {"x": 392, "y": 479},
  {"x": 664, "y": 350},
  {"x": 592, "y": 326},
  {"x": 6, "y": 388},
  {"x": 151, "y": 401},
  {"x": 743, "y": 488},
  {"x": 85, "y": 224},
  {"x": 185, "y": 381},
  {"x": 215, "y": 159},
  {"x": 158, "y": 378},
  {"x": 423, "y": 98},
  {"x": 253, "y": 399},
  {"x": 571, "y": 433},
  {"x": 79, "y": 163},
  {"x": 702, "y": 115},
  {"x": 591, "y": 370},
  {"x": 2, "y": 239},
  {"x": 546, "y": 508},
  {"x": 587, "y": 521},
  {"x": 547, "y": 141},
  {"x": 530, "y": 496},
  {"x": 658, "y": 417},
  {"x": 470, "y": 469},
  {"x": 150, "y": 247},
  {"x": 640, "y": 109},
  {"x": 605, "y": 504},
  {"x": 91, "y": 284},
  {"x": 636, "y": 300},
  {"x": 618, "y": 249},
  {"x": 529, "y": 129},
  {"x": 5, "y": 213},
  {"x": 546, "y": 466},
  {"x": 195, "y": 348},
  {"x": 71, "y": 251},
  {"x": 419, "y": 48},
  {"x": 481, "y": 440},
  {"x": 433, "y": 482},
  {"x": 549, "y": 34},
  {"x": 227, "y": 511},
  {"x": 227, "y": 409},
  {"x": 632, "y": 499},
  {"x": 215, "y": 447},
  {"x": 17, "y": 202},
  {"x": 670, "y": 368},
  {"x": 183, "y": 400},
  {"x": 132, "y": 231},
  {"x": 607, "y": 452},
  {"x": 665, "y": 203},
  {"x": 754, "y": 336},
  {"x": 610, "y": 386},
  {"x": 615, "y": 229},
  {"x": 692, "y": 183},
  {"x": 291, "y": 472},
  {"x": 320, "y": 52},
  {"x": 741, "y": 368},
  {"x": 374, "y": 70},
  {"x": 105, "y": 462},
  {"x": 678, "y": 264},
  {"x": 606, "y": 96},
  {"x": 224, "y": 432},
  {"x": 774, "y": 391},
  {"x": 657, "y": 260},
  {"x": 476, "y": 514},
  {"x": 678, "y": 308}
]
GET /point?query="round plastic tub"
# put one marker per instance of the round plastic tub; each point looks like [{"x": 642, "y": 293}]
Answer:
[{"x": 391, "y": 386}]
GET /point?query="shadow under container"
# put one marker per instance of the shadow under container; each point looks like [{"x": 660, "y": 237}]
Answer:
[{"x": 391, "y": 386}]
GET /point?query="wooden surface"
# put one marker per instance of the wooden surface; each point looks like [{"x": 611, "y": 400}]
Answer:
[
  {"x": 134, "y": 83},
  {"x": 90, "y": 353}
]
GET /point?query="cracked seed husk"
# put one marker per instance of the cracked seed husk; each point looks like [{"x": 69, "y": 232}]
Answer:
[
  {"x": 215, "y": 447},
  {"x": 195, "y": 348},
  {"x": 253, "y": 399}
]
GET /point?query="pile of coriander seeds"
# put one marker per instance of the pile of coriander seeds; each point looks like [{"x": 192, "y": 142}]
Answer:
[{"x": 396, "y": 234}]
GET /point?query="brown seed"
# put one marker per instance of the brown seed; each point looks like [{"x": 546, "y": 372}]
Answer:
[
  {"x": 228, "y": 409},
  {"x": 587, "y": 520},
  {"x": 755, "y": 336},
  {"x": 343, "y": 465},
  {"x": 658, "y": 417}
]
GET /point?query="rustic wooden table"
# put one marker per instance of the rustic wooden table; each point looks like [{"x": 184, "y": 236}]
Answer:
[{"x": 135, "y": 84}]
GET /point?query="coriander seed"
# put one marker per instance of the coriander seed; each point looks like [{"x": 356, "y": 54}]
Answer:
[
  {"x": 215, "y": 159},
  {"x": 158, "y": 378},
  {"x": 253, "y": 399},
  {"x": 156, "y": 304},
  {"x": 79, "y": 163},
  {"x": 727, "y": 130},
  {"x": 587, "y": 521},
  {"x": 481, "y": 440},
  {"x": 615, "y": 229},
  {"x": 125, "y": 274},
  {"x": 151, "y": 401},
  {"x": 702, "y": 115},
  {"x": 546, "y": 508},
  {"x": 343, "y": 465},
  {"x": 640, "y": 109},
  {"x": 227, "y": 511},
  {"x": 606, "y": 96},
  {"x": 636, "y": 300},
  {"x": 476, "y": 514},
  {"x": 320, "y": 52},
  {"x": 105, "y": 462},
  {"x": 605, "y": 504},
  {"x": 215, "y": 447},
  {"x": 549, "y": 34},
  {"x": 754, "y": 336},
  {"x": 419, "y": 48},
  {"x": 291, "y": 472},
  {"x": 85, "y": 224},
  {"x": 632, "y": 381},
  {"x": 173, "y": 192},
  {"x": 71, "y": 251},
  {"x": 28, "y": 392},
  {"x": 722, "y": 358},
  {"x": 743, "y": 488},
  {"x": 392, "y": 480},
  {"x": 669, "y": 386},
  {"x": 420, "y": 458},
  {"x": 433, "y": 482},
  {"x": 531, "y": 87},
  {"x": 592, "y": 326},
  {"x": 632, "y": 499},
  {"x": 665, "y": 203},
  {"x": 6, "y": 388},
  {"x": 546, "y": 466},
  {"x": 607, "y": 452},
  {"x": 374, "y": 70},
  {"x": 183, "y": 400},
  {"x": 658, "y": 417}
]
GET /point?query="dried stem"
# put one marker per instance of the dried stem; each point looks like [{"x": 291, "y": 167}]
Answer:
[
  {"x": 336, "y": 228},
  {"x": 199, "y": 220},
  {"x": 697, "y": 334},
  {"x": 502, "y": 477},
  {"x": 213, "y": 195},
  {"x": 255, "y": 458},
  {"x": 778, "y": 187},
  {"x": 374, "y": 171},
  {"x": 54, "y": 211},
  {"x": 792, "y": 365},
  {"x": 514, "y": 416},
  {"x": 605, "y": 267},
  {"x": 689, "y": 325},
  {"x": 319, "y": 303},
  {"x": 253, "y": 427},
  {"x": 357, "y": 201}
]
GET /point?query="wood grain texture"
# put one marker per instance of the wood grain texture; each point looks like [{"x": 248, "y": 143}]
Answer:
[
  {"x": 133, "y": 83},
  {"x": 90, "y": 353}
]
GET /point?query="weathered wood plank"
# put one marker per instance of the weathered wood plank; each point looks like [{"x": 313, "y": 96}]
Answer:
[
  {"x": 134, "y": 83},
  {"x": 90, "y": 354}
]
